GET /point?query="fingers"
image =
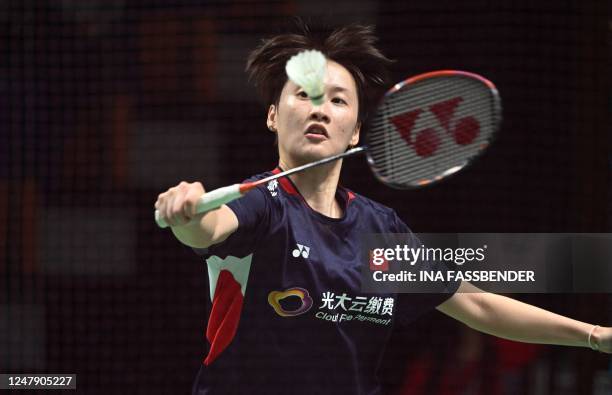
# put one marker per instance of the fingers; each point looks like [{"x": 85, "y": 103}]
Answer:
[
  {"x": 177, "y": 205},
  {"x": 189, "y": 207},
  {"x": 175, "y": 210}
]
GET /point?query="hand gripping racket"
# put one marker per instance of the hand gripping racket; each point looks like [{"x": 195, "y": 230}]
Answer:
[{"x": 425, "y": 129}]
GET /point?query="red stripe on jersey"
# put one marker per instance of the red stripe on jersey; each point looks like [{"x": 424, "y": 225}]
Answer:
[
  {"x": 351, "y": 196},
  {"x": 224, "y": 316},
  {"x": 285, "y": 183}
]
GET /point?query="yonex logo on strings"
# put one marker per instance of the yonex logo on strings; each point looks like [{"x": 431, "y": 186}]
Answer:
[
  {"x": 301, "y": 250},
  {"x": 426, "y": 141}
]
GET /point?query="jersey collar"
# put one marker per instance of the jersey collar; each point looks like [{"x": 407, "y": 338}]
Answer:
[{"x": 344, "y": 195}]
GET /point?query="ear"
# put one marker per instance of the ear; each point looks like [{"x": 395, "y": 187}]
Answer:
[
  {"x": 272, "y": 118},
  {"x": 355, "y": 136}
]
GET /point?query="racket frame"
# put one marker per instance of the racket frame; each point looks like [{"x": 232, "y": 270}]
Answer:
[{"x": 496, "y": 111}]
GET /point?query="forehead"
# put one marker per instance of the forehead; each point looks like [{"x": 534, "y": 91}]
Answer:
[{"x": 336, "y": 77}]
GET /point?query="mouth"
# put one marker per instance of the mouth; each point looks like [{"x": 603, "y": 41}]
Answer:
[{"x": 317, "y": 131}]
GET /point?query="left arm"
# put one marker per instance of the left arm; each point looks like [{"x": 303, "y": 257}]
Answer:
[{"x": 508, "y": 318}]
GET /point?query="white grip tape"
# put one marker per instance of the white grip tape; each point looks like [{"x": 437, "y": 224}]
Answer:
[
  {"x": 217, "y": 198},
  {"x": 209, "y": 201}
]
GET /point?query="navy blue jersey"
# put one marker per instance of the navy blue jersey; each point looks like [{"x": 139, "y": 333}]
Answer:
[{"x": 287, "y": 314}]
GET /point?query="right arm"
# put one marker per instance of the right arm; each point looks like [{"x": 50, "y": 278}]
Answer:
[{"x": 177, "y": 207}]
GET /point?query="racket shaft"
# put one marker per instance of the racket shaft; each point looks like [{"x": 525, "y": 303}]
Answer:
[
  {"x": 215, "y": 199},
  {"x": 209, "y": 201}
]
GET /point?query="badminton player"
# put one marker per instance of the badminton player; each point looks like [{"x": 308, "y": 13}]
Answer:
[{"x": 287, "y": 314}]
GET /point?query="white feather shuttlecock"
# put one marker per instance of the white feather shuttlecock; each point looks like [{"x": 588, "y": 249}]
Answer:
[{"x": 307, "y": 69}]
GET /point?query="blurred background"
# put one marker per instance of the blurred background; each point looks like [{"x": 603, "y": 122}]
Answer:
[{"x": 105, "y": 104}]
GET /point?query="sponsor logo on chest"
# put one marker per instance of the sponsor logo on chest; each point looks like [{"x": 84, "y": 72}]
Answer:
[{"x": 301, "y": 250}]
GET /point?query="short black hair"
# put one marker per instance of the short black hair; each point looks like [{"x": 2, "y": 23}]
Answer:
[{"x": 352, "y": 46}]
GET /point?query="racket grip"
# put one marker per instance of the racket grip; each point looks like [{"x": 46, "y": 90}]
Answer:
[{"x": 209, "y": 201}]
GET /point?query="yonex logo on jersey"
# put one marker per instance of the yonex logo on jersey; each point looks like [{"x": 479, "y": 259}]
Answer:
[
  {"x": 301, "y": 250},
  {"x": 272, "y": 187}
]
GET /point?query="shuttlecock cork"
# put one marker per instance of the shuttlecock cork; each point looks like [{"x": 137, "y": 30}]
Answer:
[{"x": 307, "y": 69}]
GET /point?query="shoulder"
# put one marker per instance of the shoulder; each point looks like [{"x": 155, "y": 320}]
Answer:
[
  {"x": 259, "y": 176},
  {"x": 264, "y": 188},
  {"x": 252, "y": 205},
  {"x": 274, "y": 192}
]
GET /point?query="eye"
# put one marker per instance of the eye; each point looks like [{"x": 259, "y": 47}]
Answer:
[
  {"x": 338, "y": 100},
  {"x": 302, "y": 94}
]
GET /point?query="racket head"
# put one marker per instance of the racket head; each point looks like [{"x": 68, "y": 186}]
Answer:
[{"x": 431, "y": 126}]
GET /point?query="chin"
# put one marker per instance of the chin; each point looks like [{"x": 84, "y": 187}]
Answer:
[
  {"x": 315, "y": 152},
  {"x": 311, "y": 154}
]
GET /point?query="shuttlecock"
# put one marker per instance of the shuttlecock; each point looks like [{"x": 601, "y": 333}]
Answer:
[{"x": 307, "y": 69}]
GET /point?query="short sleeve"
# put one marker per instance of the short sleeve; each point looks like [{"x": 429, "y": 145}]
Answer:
[
  {"x": 413, "y": 305},
  {"x": 253, "y": 214}
]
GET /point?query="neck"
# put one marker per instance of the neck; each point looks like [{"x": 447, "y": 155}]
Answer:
[{"x": 318, "y": 186}]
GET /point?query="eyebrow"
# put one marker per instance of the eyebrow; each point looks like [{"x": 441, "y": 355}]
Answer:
[
  {"x": 338, "y": 88},
  {"x": 333, "y": 88}
]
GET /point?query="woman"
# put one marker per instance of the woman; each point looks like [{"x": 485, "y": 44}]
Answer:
[{"x": 301, "y": 324}]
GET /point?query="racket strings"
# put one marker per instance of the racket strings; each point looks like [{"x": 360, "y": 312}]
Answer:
[
  {"x": 405, "y": 169},
  {"x": 431, "y": 129}
]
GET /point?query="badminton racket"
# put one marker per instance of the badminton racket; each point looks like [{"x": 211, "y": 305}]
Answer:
[{"x": 425, "y": 129}]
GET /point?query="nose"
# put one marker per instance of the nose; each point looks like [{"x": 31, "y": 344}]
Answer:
[{"x": 319, "y": 115}]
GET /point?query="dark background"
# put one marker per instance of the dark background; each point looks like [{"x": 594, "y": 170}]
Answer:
[{"x": 106, "y": 104}]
